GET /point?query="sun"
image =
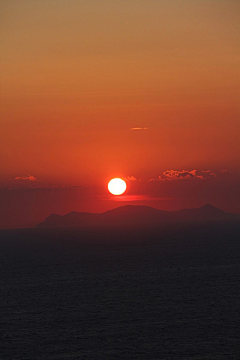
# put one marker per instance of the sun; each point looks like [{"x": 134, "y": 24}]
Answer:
[{"x": 117, "y": 186}]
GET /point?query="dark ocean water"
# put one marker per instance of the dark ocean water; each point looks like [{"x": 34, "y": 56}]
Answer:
[{"x": 120, "y": 293}]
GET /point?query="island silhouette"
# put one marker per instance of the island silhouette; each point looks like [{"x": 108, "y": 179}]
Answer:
[{"x": 138, "y": 216}]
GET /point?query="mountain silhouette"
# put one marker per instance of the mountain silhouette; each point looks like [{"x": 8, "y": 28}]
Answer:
[{"x": 137, "y": 216}]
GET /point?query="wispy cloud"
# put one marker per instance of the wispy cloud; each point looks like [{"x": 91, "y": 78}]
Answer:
[
  {"x": 133, "y": 198},
  {"x": 139, "y": 128},
  {"x": 131, "y": 178},
  {"x": 26, "y": 178},
  {"x": 170, "y": 175},
  {"x": 209, "y": 173},
  {"x": 184, "y": 174}
]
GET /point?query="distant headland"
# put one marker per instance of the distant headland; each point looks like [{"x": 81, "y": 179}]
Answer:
[{"x": 137, "y": 216}]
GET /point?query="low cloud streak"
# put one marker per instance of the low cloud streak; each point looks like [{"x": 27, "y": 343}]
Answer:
[
  {"x": 139, "y": 128},
  {"x": 170, "y": 175},
  {"x": 26, "y": 178}
]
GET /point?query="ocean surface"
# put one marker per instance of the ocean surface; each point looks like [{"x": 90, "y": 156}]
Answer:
[{"x": 167, "y": 293}]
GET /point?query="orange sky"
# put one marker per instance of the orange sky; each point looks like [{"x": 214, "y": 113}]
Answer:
[{"x": 78, "y": 76}]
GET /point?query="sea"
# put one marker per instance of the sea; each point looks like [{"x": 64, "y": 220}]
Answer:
[{"x": 121, "y": 293}]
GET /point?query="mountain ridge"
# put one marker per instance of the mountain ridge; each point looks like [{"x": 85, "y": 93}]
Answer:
[{"x": 137, "y": 215}]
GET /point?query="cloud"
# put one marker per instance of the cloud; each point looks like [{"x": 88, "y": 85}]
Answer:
[
  {"x": 133, "y": 198},
  {"x": 130, "y": 178},
  {"x": 184, "y": 174},
  {"x": 209, "y": 173},
  {"x": 170, "y": 175},
  {"x": 26, "y": 178},
  {"x": 139, "y": 128}
]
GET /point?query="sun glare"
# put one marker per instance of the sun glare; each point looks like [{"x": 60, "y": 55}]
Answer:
[{"x": 117, "y": 186}]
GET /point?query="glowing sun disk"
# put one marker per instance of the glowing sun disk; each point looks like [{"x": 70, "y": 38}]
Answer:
[{"x": 117, "y": 186}]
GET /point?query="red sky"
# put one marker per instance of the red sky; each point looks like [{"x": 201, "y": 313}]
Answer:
[{"x": 97, "y": 89}]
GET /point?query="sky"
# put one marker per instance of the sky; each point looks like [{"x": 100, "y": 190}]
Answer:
[{"x": 145, "y": 90}]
